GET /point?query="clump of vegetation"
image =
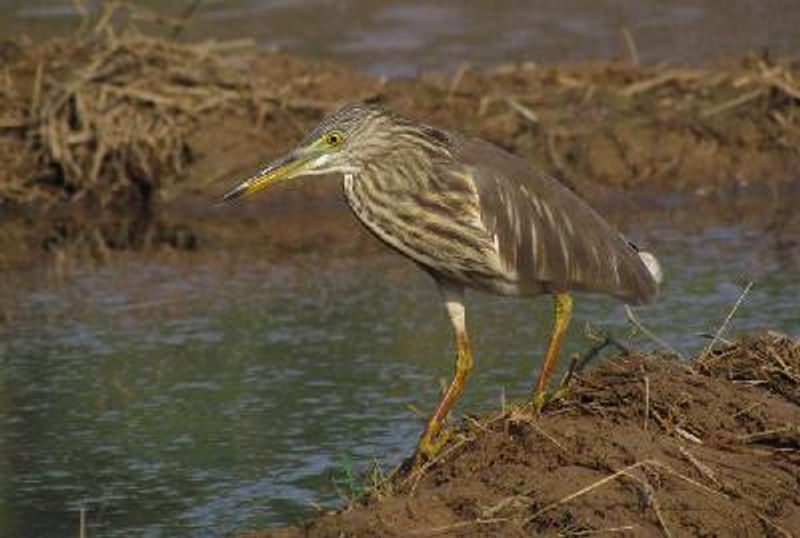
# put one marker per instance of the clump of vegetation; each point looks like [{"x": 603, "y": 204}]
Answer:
[
  {"x": 353, "y": 486},
  {"x": 104, "y": 115}
]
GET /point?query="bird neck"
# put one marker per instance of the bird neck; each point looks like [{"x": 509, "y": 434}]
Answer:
[
  {"x": 384, "y": 179},
  {"x": 406, "y": 167}
]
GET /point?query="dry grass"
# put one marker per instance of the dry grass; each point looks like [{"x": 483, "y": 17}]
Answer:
[
  {"x": 106, "y": 114},
  {"x": 772, "y": 362}
]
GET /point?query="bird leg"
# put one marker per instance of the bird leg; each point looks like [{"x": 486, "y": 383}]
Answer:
[
  {"x": 435, "y": 437},
  {"x": 562, "y": 303}
]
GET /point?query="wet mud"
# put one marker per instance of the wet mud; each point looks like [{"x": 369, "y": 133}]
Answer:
[{"x": 643, "y": 445}]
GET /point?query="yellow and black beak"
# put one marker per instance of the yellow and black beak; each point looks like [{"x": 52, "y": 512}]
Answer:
[{"x": 287, "y": 167}]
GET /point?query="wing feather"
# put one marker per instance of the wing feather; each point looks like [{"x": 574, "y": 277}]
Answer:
[{"x": 552, "y": 238}]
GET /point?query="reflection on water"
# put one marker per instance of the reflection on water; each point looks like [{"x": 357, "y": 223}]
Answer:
[
  {"x": 396, "y": 37},
  {"x": 205, "y": 395}
]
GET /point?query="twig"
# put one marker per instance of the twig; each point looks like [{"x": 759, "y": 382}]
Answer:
[
  {"x": 547, "y": 436},
  {"x": 652, "y": 501},
  {"x": 416, "y": 410},
  {"x": 420, "y": 473},
  {"x": 725, "y": 323},
  {"x": 704, "y": 469},
  {"x": 83, "y": 77},
  {"x": 646, "y": 401},
  {"x": 583, "y": 491},
  {"x": 457, "y": 526},
  {"x": 688, "y": 435},
  {"x": 785, "y": 533},
  {"x": 188, "y": 13},
  {"x": 777, "y": 358},
  {"x": 630, "y": 43},
  {"x": 552, "y": 151},
  {"x": 455, "y": 82},
  {"x": 81, "y": 8},
  {"x": 659, "y": 80},
  {"x": 785, "y": 88},
  {"x": 766, "y": 435},
  {"x": 522, "y": 110},
  {"x": 476, "y": 423},
  {"x": 606, "y": 530},
  {"x": 603, "y": 339},
  {"x": 527, "y": 419},
  {"x": 677, "y": 429},
  {"x": 686, "y": 479},
  {"x": 37, "y": 86},
  {"x": 518, "y": 500},
  {"x": 82, "y": 527},
  {"x": 733, "y": 103},
  {"x": 748, "y": 408},
  {"x": 709, "y": 336},
  {"x": 650, "y": 334},
  {"x": 567, "y": 379},
  {"x": 590, "y": 355},
  {"x": 108, "y": 11}
]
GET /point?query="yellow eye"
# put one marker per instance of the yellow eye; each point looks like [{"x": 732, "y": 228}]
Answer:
[{"x": 334, "y": 138}]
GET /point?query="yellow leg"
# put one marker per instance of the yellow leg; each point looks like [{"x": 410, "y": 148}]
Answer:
[
  {"x": 435, "y": 437},
  {"x": 562, "y": 303}
]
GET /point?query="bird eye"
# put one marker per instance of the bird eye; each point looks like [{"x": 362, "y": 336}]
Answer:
[{"x": 334, "y": 138}]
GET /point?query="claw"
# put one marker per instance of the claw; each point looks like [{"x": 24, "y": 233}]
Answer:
[
  {"x": 539, "y": 400},
  {"x": 543, "y": 398},
  {"x": 431, "y": 444}
]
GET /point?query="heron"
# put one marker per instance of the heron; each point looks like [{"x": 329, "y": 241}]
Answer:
[{"x": 472, "y": 215}]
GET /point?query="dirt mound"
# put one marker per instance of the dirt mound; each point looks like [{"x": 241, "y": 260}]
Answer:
[{"x": 643, "y": 446}]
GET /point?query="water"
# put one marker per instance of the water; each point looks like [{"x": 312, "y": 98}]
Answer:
[
  {"x": 394, "y": 37},
  {"x": 206, "y": 394}
]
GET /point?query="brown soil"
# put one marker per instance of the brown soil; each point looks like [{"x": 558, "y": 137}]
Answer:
[{"x": 644, "y": 445}]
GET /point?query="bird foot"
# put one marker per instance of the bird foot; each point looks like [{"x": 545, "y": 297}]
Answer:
[
  {"x": 431, "y": 444},
  {"x": 543, "y": 398}
]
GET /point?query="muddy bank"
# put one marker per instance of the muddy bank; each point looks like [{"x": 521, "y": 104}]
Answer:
[
  {"x": 642, "y": 446},
  {"x": 115, "y": 118},
  {"x": 130, "y": 137}
]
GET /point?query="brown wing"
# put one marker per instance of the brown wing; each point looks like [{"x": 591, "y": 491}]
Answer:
[{"x": 553, "y": 239}]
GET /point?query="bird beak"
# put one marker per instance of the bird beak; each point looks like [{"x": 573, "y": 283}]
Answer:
[{"x": 284, "y": 168}]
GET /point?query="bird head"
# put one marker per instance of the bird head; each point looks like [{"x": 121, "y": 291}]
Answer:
[{"x": 340, "y": 144}]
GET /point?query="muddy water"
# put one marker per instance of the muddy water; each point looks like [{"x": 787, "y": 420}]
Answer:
[
  {"x": 216, "y": 392},
  {"x": 399, "y": 38}
]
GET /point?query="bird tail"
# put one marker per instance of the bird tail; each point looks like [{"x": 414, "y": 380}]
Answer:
[{"x": 651, "y": 262}]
